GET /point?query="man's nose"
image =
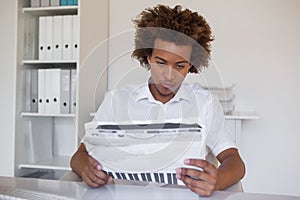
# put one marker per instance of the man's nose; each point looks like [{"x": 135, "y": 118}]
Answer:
[{"x": 169, "y": 73}]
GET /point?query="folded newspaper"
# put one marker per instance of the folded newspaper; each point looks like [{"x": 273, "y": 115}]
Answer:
[{"x": 144, "y": 152}]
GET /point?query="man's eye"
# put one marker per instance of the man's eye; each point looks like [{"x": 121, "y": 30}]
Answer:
[
  {"x": 180, "y": 66},
  {"x": 160, "y": 63}
]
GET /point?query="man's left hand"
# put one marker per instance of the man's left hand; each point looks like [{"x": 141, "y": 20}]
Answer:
[{"x": 202, "y": 182}]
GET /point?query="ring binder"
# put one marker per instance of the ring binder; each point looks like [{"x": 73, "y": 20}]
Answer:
[
  {"x": 45, "y": 3},
  {"x": 35, "y": 3},
  {"x": 42, "y": 38},
  {"x": 67, "y": 37}
]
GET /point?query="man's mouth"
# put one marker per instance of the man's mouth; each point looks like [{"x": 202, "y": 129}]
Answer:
[{"x": 167, "y": 85}]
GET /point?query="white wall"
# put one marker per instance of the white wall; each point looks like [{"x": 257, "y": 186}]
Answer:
[
  {"x": 257, "y": 47},
  {"x": 7, "y": 67}
]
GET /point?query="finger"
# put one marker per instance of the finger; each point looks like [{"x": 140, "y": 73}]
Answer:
[
  {"x": 94, "y": 177},
  {"x": 192, "y": 182},
  {"x": 203, "y": 164},
  {"x": 99, "y": 178},
  {"x": 95, "y": 168},
  {"x": 94, "y": 163},
  {"x": 195, "y": 174},
  {"x": 89, "y": 181},
  {"x": 200, "y": 187}
]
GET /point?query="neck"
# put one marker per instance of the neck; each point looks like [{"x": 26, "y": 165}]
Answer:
[{"x": 159, "y": 96}]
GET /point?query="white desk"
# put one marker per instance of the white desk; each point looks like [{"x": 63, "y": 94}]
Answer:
[{"x": 80, "y": 190}]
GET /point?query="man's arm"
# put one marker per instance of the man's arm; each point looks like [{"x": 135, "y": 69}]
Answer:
[
  {"x": 88, "y": 168},
  {"x": 230, "y": 171}
]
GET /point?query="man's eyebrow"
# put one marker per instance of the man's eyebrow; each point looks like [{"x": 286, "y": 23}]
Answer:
[
  {"x": 157, "y": 57},
  {"x": 184, "y": 61}
]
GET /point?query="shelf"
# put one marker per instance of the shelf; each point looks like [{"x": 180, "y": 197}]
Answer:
[
  {"x": 57, "y": 163},
  {"x": 57, "y": 10},
  {"x": 38, "y": 62},
  {"x": 242, "y": 115},
  {"x": 30, "y": 114}
]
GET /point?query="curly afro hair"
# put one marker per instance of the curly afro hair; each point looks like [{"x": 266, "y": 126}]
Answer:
[{"x": 169, "y": 24}]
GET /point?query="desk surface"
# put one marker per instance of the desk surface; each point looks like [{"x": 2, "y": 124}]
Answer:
[{"x": 79, "y": 190}]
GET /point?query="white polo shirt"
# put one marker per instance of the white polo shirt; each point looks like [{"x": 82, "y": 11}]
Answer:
[{"x": 191, "y": 102}]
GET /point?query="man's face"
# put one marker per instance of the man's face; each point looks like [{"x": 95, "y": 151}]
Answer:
[{"x": 170, "y": 64}]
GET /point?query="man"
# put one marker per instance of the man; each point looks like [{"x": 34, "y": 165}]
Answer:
[{"x": 171, "y": 42}]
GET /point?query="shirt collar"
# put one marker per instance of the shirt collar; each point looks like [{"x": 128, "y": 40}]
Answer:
[
  {"x": 143, "y": 92},
  {"x": 185, "y": 92}
]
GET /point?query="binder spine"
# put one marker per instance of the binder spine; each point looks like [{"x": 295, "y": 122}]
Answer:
[
  {"x": 67, "y": 37},
  {"x": 45, "y": 3},
  {"x": 65, "y": 91},
  {"x": 48, "y": 90},
  {"x": 28, "y": 90},
  {"x": 57, "y": 37},
  {"x": 35, "y": 3},
  {"x": 34, "y": 91},
  {"x": 49, "y": 38},
  {"x": 54, "y": 2},
  {"x": 55, "y": 93},
  {"x": 42, "y": 38},
  {"x": 41, "y": 91},
  {"x": 70, "y": 2},
  {"x": 73, "y": 90},
  {"x": 75, "y": 38},
  {"x": 63, "y": 2},
  {"x": 30, "y": 38}
]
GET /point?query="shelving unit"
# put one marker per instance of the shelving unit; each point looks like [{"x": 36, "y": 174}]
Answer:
[
  {"x": 46, "y": 142},
  {"x": 43, "y": 141}
]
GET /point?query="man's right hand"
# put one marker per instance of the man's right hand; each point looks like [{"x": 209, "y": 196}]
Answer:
[{"x": 89, "y": 169}]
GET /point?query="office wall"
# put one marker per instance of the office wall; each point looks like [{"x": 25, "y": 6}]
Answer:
[
  {"x": 7, "y": 71},
  {"x": 257, "y": 45}
]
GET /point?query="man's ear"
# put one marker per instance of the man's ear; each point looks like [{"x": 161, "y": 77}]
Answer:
[{"x": 148, "y": 59}]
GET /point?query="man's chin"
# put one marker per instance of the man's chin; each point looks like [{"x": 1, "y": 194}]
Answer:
[{"x": 166, "y": 92}]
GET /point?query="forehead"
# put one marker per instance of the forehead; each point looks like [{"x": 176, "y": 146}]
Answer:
[{"x": 183, "y": 51}]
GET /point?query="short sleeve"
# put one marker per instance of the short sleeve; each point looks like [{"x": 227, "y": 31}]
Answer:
[{"x": 219, "y": 137}]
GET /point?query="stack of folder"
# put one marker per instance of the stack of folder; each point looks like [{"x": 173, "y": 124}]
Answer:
[
  {"x": 50, "y": 91},
  {"x": 145, "y": 151},
  {"x": 226, "y": 97},
  {"x": 58, "y": 37},
  {"x": 45, "y": 3}
]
